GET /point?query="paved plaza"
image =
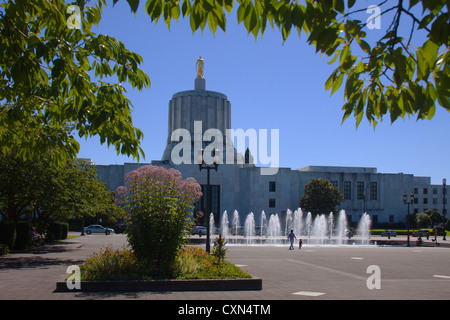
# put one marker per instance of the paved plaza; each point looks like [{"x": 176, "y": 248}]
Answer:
[{"x": 314, "y": 272}]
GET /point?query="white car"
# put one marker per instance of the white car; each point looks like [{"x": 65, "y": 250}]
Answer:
[{"x": 96, "y": 228}]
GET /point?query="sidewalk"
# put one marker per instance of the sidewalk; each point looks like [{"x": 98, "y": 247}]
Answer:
[
  {"x": 33, "y": 274},
  {"x": 313, "y": 272}
]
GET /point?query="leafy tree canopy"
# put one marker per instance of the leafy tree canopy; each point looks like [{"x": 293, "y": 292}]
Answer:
[
  {"x": 52, "y": 191},
  {"x": 55, "y": 78},
  {"x": 392, "y": 76},
  {"x": 320, "y": 196}
]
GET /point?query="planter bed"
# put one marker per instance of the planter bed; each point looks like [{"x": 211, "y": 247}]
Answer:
[{"x": 164, "y": 285}]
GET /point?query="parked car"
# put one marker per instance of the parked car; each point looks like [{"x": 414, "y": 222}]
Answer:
[
  {"x": 389, "y": 233},
  {"x": 200, "y": 230},
  {"x": 96, "y": 228},
  {"x": 421, "y": 233}
]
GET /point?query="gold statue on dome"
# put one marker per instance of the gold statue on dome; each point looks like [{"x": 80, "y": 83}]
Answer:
[{"x": 199, "y": 66}]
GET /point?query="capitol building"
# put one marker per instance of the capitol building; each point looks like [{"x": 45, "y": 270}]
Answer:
[{"x": 240, "y": 185}]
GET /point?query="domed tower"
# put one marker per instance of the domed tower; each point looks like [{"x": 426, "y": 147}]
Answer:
[{"x": 197, "y": 111}]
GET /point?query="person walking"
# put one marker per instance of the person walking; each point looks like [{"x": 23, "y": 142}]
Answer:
[
  {"x": 291, "y": 238},
  {"x": 300, "y": 242}
]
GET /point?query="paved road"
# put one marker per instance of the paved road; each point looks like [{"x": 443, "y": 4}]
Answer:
[{"x": 310, "y": 273}]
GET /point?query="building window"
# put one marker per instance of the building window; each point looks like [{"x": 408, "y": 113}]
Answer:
[
  {"x": 360, "y": 190},
  {"x": 416, "y": 211},
  {"x": 416, "y": 190},
  {"x": 272, "y": 186},
  {"x": 434, "y": 201},
  {"x": 272, "y": 203},
  {"x": 425, "y": 190},
  {"x": 347, "y": 190},
  {"x": 416, "y": 200},
  {"x": 434, "y": 190},
  {"x": 373, "y": 190},
  {"x": 335, "y": 183},
  {"x": 391, "y": 218},
  {"x": 425, "y": 200},
  {"x": 375, "y": 219}
]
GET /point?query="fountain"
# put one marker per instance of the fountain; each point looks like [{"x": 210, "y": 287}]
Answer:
[
  {"x": 319, "y": 230},
  {"x": 249, "y": 228},
  {"x": 274, "y": 229},
  {"x": 289, "y": 222},
  {"x": 224, "y": 225},
  {"x": 364, "y": 228},
  {"x": 236, "y": 225},
  {"x": 308, "y": 223},
  {"x": 341, "y": 227},
  {"x": 298, "y": 222},
  {"x": 263, "y": 226}
]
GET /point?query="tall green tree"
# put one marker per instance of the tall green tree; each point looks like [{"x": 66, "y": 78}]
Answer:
[
  {"x": 52, "y": 191},
  {"x": 54, "y": 76},
  {"x": 320, "y": 196}
]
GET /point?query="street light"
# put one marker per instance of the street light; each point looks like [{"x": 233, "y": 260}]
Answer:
[
  {"x": 405, "y": 201},
  {"x": 203, "y": 165},
  {"x": 444, "y": 191}
]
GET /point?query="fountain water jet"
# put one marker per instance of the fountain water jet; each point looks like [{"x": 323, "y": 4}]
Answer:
[
  {"x": 224, "y": 225},
  {"x": 330, "y": 225},
  {"x": 364, "y": 228},
  {"x": 274, "y": 229},
  {"x": 236, "y": 225},
  {"x": 341, "y": 227},
  {"x": 308, "y": 223},
  {"x": 263, "y": 227},
  {"x": 249, "y": 228},
  {"x": 319, "y": 229}
]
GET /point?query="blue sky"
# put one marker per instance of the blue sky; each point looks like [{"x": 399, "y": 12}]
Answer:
[{"x": 270, "y": 85}]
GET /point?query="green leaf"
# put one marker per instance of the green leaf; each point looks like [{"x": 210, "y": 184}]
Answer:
[
  {"x": 426, "y": 59},
  {"x": 133, "y": 5},
  {"x": 344, "y": 54},
  {"x": 364, "y": 45},
  {"x": 337, "y": 83}
]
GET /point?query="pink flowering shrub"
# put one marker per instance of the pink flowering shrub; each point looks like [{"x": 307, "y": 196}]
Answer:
[{"x": 159, "y": 203}]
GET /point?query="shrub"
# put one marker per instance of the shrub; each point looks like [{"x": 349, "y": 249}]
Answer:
[
  {"x": 109, "y": 264},
  {"x": 23, "y": 238},
  {"x": 219, "y": 251},
  {"x": 64, "y": 230},
  {"x": 159, "y": 203},
  {"x": 3, "y": 249},
  {"x": 190, "y": 263},
  {"x": 195, "y": 263},
  {"x": 8, "y": 233},
  {"x": 54, "y": 231}
]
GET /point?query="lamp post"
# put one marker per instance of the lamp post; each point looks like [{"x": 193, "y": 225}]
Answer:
[
  {"x": 405, "y": 201},
  {"x": 204, "y": 165},
  {"x": 444, "y": 191}
]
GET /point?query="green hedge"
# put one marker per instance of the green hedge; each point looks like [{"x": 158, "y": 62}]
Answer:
[
  {"x": 8, "y": 233},
  {"x": 3, "y": 249},
  {"x": 57, "y": 231},
  {"x": 23, "y": 239}
]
